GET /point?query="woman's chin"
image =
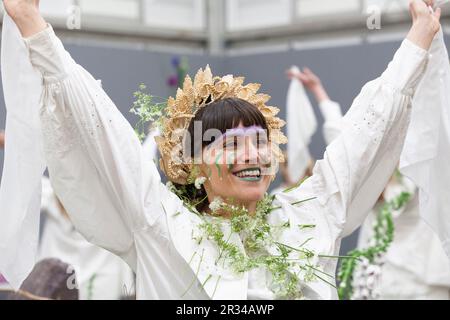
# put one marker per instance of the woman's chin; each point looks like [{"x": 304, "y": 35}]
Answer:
[
  {"x": 255, "y": 197},
  {"x": 251, "y": 191},
  {"x": 244, "y": 190}
]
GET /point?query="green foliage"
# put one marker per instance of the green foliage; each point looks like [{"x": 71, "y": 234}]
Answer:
[
  {"x": 147, "y": 110},
  {"x": 383, "y": 237},
  {"x": 90, "y": 288},
  {"x": 257, "y": 234}
]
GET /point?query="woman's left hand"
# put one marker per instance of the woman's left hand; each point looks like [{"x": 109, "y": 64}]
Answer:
[
  {"x": 426, "y": 22},
  {"x": 26, "y": 15}
]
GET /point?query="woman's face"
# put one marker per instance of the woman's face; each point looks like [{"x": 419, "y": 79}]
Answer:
[{"x": 238, "y": 166}]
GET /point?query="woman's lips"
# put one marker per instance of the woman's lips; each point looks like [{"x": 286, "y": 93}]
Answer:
[{"x": 248, "y": 174}]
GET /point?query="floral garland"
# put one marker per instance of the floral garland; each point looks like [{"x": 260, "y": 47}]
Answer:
[
  {"x": 366, "y": 262},
  {"x": 257, "y": 234}
]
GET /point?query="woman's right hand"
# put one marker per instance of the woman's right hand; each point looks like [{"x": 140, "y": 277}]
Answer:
[
  {"x": 311, "y": 82},
  {"x": 26, "y": 15},
  {"x": 425, "y": 22}
]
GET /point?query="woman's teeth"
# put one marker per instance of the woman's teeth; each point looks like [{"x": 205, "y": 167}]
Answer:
[{"x": 249, "y": 175}]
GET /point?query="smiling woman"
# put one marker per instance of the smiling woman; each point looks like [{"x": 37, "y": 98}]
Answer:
[{"x": 244, "y": 244}]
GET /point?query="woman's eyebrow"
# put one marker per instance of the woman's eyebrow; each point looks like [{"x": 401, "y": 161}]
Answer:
[
  {"x": 237, "y": 132},
  {"x": 242, "y": 131}
]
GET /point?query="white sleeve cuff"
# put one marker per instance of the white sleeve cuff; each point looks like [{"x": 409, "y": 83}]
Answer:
[
  {"x": 331, "y": 111},
  {"x": 48, "y": 55},
  {"x": 407, "y": 68}
]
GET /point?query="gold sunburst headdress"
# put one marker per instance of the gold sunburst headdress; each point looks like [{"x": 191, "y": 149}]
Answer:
[{"x": 198, "y": 94}]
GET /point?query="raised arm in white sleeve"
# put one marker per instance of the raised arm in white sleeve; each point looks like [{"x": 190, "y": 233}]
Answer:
[
  {"x": 359, "y": 162},
  {"x": 427, "y": 147},
  {"x": 94, "y": 158}
]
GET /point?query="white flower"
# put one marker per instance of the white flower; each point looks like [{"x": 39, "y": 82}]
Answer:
[
  {"x": 364, "y": 262},
  {"x": 361, "y": 282},
  {"x": 373, "y": 270},
  {"x": 379, "y": 259},
  {"x": 170, "y": 185},
  {"x": 371, "y": 280},
  {"x": 365, "y": 294},
  {"x": 199, "y": 181},
  {"x": 216, "y": 204}
]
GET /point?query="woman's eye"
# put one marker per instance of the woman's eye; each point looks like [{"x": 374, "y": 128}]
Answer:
[
  {"x": 230, "y": 144},
  {"x": 262, "y": 142}
]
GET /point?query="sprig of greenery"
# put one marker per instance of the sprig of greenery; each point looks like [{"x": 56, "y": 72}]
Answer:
[
  {"x": 295, "y": 186},
  {"x": 148, "y": 111},
  {"x": 90, "y": 287},
  {"x": 383, "y": 237}
]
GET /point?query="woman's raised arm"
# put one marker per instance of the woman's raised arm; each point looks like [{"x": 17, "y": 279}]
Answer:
[
  {"x": 359, "y": 162},
  {"x": 93, "y": 155}
]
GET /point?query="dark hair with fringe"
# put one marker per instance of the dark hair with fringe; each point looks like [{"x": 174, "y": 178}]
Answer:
[{"x": 223, "y": 115}]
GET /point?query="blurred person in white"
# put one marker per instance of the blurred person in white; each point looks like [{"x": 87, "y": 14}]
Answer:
[
  {"x": 101, "y": 275},
  {"x": 115, "y": 198},
  {"x": 415, "y": 266},
  {"x": 302, "y": 125}
]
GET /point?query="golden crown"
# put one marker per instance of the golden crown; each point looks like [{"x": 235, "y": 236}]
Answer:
[{"x": 196, "y": 95}]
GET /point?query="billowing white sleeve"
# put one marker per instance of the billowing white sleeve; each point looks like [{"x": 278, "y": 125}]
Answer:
[
  {"x": 94, "y": 157},
  {"x": 426, "y": 154},
  {"x": 359, "y": 162},
  {"x": 332, "y": 115},
  {"x": 24, "y": 165}
]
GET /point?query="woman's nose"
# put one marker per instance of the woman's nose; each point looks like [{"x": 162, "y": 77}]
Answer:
[{"x": 251, "y": 153}]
